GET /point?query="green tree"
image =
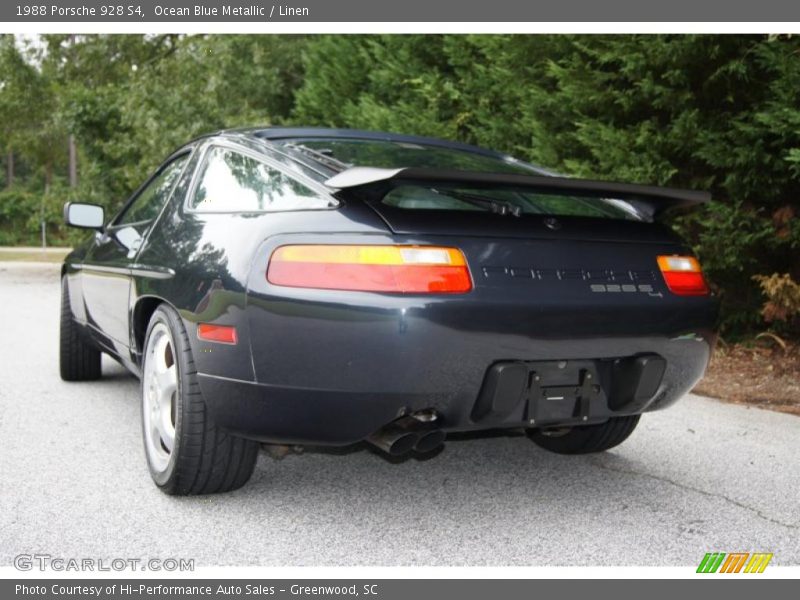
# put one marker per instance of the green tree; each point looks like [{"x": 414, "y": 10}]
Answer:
[
  {"x": 714, "y": 112},
  {"x": 401, "y": 83}
]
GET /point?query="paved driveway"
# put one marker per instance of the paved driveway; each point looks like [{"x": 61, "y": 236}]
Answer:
[{"x": 701, "y": 476}]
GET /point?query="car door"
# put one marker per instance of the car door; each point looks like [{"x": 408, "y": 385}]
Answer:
[{"x": 107, "y": 268}]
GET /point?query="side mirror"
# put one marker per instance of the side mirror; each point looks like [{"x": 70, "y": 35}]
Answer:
[{"x": 85, "y": 216}]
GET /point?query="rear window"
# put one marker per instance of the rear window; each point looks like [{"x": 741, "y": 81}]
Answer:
[
  {"x": 386, "y": 154},
  {"x": 414, "y": 197}
]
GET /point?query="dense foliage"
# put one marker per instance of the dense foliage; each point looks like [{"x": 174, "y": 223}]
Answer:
[{"x": 717, "y": 112}]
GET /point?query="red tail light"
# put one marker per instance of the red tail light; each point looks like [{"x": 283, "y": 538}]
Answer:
[
  {"x": 399, "y": 269},
  {"x": 683, "y": 275},
  {"x": 223, "y": 334}
]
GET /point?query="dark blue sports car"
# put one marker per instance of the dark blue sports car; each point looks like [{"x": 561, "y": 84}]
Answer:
[{"x": 318, "y": 286}]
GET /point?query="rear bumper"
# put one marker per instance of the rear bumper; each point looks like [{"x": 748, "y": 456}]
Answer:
[
  {"x": 333, "y": 366},
  {"x": 457, "y": 385}
]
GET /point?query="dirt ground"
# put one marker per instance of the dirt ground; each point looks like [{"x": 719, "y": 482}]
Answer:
[{"x": 762, "y": 374}]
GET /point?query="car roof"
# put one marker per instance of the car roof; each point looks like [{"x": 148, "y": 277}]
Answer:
[
  {"x": 280, "y": 139},
  {"x": 300, "y": 133}
]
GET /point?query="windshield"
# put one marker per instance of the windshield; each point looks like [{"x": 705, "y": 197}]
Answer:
[
  {"x": 386, "y": 154},
  {"x": 506, "y": 201}
]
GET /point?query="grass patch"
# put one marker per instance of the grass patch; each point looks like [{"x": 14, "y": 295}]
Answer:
[{"x": 51, "y": 255}]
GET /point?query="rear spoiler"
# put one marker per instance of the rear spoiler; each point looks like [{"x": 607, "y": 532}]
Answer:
[{"x": 648, "y": 200}]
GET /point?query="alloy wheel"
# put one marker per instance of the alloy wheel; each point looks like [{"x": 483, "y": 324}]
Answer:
[{"x": 159, "y": 397}]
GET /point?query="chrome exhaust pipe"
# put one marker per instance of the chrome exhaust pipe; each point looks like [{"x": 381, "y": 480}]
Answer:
[
  {"x": 429, "y": 441},
  {"x": 416, "y": 432},
  {"x": 394, "y": 440}
]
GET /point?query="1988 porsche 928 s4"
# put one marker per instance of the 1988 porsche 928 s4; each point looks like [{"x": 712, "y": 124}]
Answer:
[{"x": 317, "y": 286}]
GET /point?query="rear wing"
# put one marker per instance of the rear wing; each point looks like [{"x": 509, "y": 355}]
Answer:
[{"x": 650, "y": 201}]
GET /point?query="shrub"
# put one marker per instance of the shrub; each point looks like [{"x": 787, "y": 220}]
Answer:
[{"x": 783, "y": 299}]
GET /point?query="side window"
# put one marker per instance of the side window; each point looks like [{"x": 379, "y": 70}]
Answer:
[
  {"x": 232, "y": 182},
  {"x": 148, "y": 203}
]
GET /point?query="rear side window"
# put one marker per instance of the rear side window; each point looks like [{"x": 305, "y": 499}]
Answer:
[
  {"x": 230, "y": 181},
  {"x": 413, "y": 197}
]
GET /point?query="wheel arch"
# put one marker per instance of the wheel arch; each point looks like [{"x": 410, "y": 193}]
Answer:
[{"x": 142, "y": 312}]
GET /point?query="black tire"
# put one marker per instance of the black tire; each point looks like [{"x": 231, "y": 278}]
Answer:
[
  {"x": 588, "y": 438},
  {"x": 204, "y": 459},
  {"x": 78, "y": 359}
]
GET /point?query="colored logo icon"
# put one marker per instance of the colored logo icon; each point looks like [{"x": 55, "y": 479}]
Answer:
[{"x": 734, "y": 562}]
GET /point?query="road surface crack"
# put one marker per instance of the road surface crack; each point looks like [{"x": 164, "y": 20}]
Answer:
[{"x": 690, "y": 488}]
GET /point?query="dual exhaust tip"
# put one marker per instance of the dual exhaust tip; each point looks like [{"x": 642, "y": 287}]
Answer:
[{"x": 418, "y": 433}]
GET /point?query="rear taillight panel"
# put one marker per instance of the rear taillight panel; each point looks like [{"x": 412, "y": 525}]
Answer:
[
  {"x": 371, "y": 268},
  {"x": 683, "y": 275}
]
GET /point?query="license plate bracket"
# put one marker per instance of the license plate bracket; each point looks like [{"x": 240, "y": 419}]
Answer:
[
  {"x": 562, "y": 391},
  {"x": 541, "y": 392}
]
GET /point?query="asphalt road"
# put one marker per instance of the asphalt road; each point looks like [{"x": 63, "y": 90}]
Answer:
[{"x": 701, "y": 476}]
